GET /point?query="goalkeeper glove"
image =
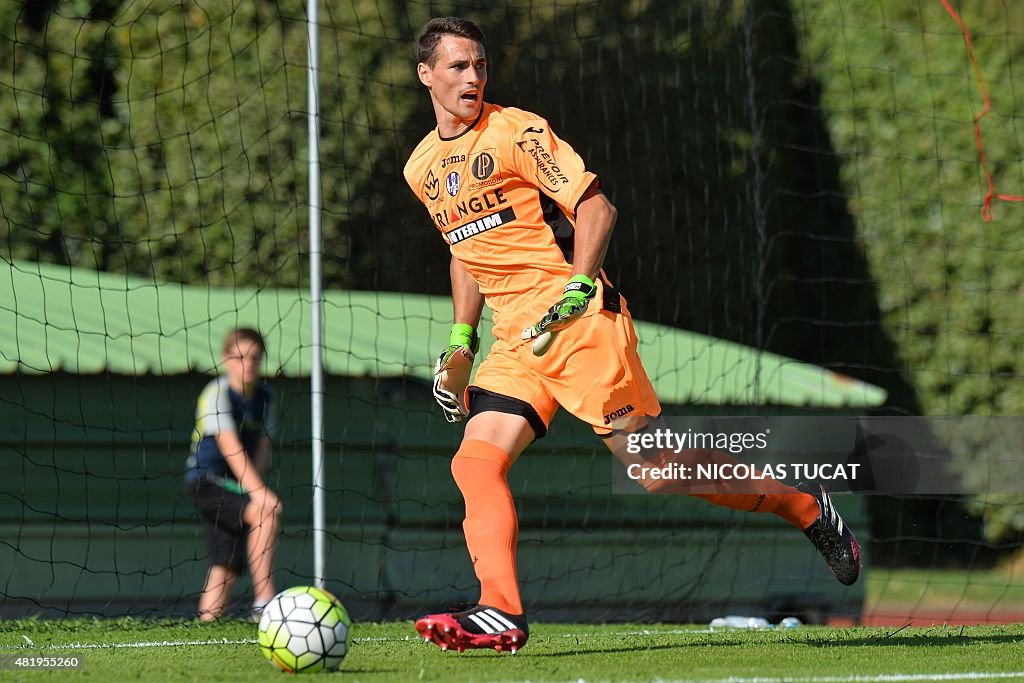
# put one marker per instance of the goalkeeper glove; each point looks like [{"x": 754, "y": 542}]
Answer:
[
  {"x": 575, "y": 297},
  {"x": 451, "y": 371}
]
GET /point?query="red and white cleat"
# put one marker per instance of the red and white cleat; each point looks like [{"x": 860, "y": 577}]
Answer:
[
  {"x": 832, "y": 537},
  {"x": 478, "y": 628}
]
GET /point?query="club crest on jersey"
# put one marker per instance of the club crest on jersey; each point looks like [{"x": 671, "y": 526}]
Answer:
[
  {"x": 452, "y": 182},
  {"x": 431, "y": 188}
]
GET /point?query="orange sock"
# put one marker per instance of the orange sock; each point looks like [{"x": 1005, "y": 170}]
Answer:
[
  {"x": 480, "y": 470},
  {"x": 760, "y": 495}
]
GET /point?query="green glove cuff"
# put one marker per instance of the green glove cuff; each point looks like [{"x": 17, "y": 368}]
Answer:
[
  {"x": 579, "y": 287},
  {"x": 464, "y": 335}
]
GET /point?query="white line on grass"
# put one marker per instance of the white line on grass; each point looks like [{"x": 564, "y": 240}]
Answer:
[
  {"x": 876, "y": 678},
  {"x": 370, "y": 639},
  {"x": 857, "y": 678},
  {"x": 151, "y": 643},
  {"x": 603, "y": 634},
  {"x": 865, "y": 678}
]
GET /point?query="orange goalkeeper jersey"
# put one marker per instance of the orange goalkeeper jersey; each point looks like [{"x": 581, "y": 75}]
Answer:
[{"x": 504, "y": 195}]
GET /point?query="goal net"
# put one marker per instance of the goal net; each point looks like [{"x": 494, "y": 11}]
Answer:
[{"x": 801, "y": 231}]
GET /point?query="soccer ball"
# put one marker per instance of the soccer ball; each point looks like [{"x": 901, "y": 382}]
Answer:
[{"x": 304, "y": 629}]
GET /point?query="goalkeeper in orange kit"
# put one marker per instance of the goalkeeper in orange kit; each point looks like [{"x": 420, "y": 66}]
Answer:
[{"x": 528, "y": 228}]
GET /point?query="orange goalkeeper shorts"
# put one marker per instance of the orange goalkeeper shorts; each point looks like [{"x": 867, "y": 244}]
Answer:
[{"x": 592, "y": 370}]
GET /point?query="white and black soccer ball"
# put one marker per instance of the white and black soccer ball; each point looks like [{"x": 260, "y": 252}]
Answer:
[{"x": 304, "y": 629}]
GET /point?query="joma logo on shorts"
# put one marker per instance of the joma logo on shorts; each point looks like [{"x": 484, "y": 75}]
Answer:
[{"x": 615, "y": 414}]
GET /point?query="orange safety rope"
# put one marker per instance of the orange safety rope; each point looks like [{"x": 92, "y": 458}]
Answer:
[{"x": 986, "y": 210}]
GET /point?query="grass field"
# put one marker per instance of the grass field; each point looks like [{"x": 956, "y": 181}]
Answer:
[
  {"x": 134, "y": 650},
  {"x": 979, "y": 587},
  {"x": 924, "y": 597},
  {"x": 129, "y": 650}
]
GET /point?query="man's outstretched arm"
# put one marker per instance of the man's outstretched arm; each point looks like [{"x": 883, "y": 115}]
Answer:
[
  {"x": 467, "y": 300},
  {"x": 454, "y": 365},
  {"x": 595, "y": 218}
]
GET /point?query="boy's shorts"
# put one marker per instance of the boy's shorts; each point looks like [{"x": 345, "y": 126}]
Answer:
[
  {"x": 592, "y": 370},
  {"x": 221, "y": 511}
]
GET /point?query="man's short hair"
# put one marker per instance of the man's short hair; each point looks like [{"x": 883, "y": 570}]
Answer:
[
  {"x": 240, "y": 334},
  {"x": 437, "y": 28}
]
